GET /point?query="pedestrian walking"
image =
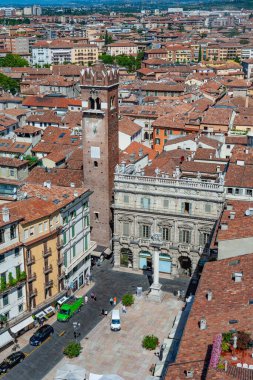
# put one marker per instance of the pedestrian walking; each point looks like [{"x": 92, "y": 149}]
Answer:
[
  {"x": 86, "y": 299},
  {"x": 123, "y": 309},
  {"x": 114, "y": 301},
  {"x": 92, "y": 295},
  {"x": 111, "y": 301}
]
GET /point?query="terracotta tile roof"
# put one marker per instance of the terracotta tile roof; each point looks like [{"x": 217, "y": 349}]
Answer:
[
  {"x": 202, "y": 167},
  {"x": 216, "y": 117},
  {"x": 58, "y": 177},
  {"x": 12, "y": 162},
  {"x": 7, "y": 145},
  {"x": 50, "y": 102},
  {"x": 241, "y": 226},
  {"x": 237, "y": 140},
  {"x": 27, "y": 129},
  {"x": 239, "y": 176},
  {"x": 127, "y": 126},
  {"x": 135, "y": 147},
  {"x": 242, "y": 153},
  {"x": 44, "y": 117},
  {"x": 230, "y": 301}
]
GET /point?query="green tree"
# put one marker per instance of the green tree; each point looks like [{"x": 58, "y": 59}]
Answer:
[
  {"x": 72, "y": 350},
  {"x": 3, "y": 285},
  {"x": 9, "y": 84},
  {"x": 244, "y": 41},
  {"x": 237, "y": 59},
  {"x": 107, "y": 59},
  {"x": 13, "y": 60}
]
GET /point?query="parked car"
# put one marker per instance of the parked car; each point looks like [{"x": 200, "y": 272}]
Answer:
[
  {"x": 41, "y": 334},
  {"x": 11, "y": 361}
]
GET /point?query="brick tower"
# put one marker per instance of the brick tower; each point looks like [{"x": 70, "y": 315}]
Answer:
[{"x": 99, "y": 88}]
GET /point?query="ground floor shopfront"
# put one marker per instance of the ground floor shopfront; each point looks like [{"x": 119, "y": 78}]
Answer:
[{"x": 171, "y": 261}]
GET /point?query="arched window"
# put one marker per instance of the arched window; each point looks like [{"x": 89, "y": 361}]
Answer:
[
  {"x": 146, "y": 136},
  {"x": 91, "y": 103},
  {"x": 98, "y": 104}
]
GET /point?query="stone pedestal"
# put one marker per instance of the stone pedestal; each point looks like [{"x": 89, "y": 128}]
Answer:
[{"x": 156, "y": 293}]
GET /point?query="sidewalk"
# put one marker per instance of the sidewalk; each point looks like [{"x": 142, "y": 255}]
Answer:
[{"x": 23, "y": 340}]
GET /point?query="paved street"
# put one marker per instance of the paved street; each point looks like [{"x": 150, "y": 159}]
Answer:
[{"x": 107, "y": 283}]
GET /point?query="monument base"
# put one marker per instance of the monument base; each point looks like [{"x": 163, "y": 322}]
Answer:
[{"x": 156, "y": 293}]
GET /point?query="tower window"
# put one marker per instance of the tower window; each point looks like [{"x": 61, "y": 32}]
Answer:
[
  {"x": 91, "y": 103},
  {"x": 96, "y": 215},
  {"x": 95, "y": 164},
  {"x": 98, "y": 104}
]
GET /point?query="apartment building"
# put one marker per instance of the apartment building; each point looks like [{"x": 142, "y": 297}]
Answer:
[
  {"x": 59, "y": 52},
  {"x": 124, "y": 47},
  {"x": 84, "y": 54},
  {"x": 12, "y": 275}
]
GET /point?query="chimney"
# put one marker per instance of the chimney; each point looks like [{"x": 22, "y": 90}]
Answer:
[
  {"x": 49, "y": 185},
  {"x": 140, "y": 152},
  {"x": 247, "y": 102},
  {"x": 232, "y": 215},
  {"x": 149, "y": 162},
  {"x": 229, "y": 207},
  {"x": 72, "y": 184},
  {"x": 209, "y": 295},
  {"x": 6, "y": 214},
  {"x": 218, "y": 168},
  {"x": 246, "y": 151},
  {"x": 210, "y": 156},
  {"x": 75, "y": 194},
  {"x": 202, "y": 323}
]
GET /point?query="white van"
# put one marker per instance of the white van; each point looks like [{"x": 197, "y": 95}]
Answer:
[{"x": 115, "y": 322}]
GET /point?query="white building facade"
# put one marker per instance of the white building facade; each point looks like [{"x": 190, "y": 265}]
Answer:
[
  {"x": 184, "y": 211},
  {"x": 13, "y": 279},
  {"x": 75, "y": 241}
]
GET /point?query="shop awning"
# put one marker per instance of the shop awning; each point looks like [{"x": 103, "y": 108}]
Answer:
[
  {"x": 21, "y": 325},
  {"x": 40, "y": 315},
  {"x": 62, "y": 300},
  {"x": 5, "y": 338}
]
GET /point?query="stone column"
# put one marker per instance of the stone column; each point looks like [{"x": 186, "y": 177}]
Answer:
[
  {"x": 116, "y": 250},
  {"x": 156, "y": 293}
]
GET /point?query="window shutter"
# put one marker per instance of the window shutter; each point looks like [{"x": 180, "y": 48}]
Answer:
[
  {"x": 64, "y": 238},
  {"x": 190, "y": 208},
  {"x": 190, "y": 237},
  {"x": 142, "y": 202},
  {"x": 140, "y": 230},
  {"x": 181, "y": 236},
  {"x": 149, "y": 232},
  {"x": 126, "y": 229},
  {"x": 166, "y": 203},
  {"x": 182, "y": 207},
  {"x": 73, "y": 231},
  {"x": 201, "y": 239}
]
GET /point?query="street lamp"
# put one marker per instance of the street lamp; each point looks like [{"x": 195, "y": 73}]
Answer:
[{"x": 156, "y": 293}]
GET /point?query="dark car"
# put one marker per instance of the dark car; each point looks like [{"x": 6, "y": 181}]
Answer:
[
  {"x": 11, "y": 361},
  {"x": 41, "y": 334}
]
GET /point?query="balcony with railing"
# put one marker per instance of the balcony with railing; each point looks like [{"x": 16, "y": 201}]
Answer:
[
  {"x": 31, "y": 277},
  {"x": 60, "y": 261},
  {"x": 33, "y": 293},
  {"x": 48, "y": 269},
  {"x": 59, "y": 243},
  {"x": 48, "y": 284},
  {"x": 47, "y": 252},
  {"x": 61, "y": 275},
  {"x": 30, "y": 260}
]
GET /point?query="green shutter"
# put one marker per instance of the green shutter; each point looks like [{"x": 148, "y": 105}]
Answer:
[
  {"x": 86, "y": 242},
  {"x": 74, "y": 250},
  {"x": 65, "y": 260},
  {"x": 64, "y": 238},
  {"x": 73, "y": 230}
]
